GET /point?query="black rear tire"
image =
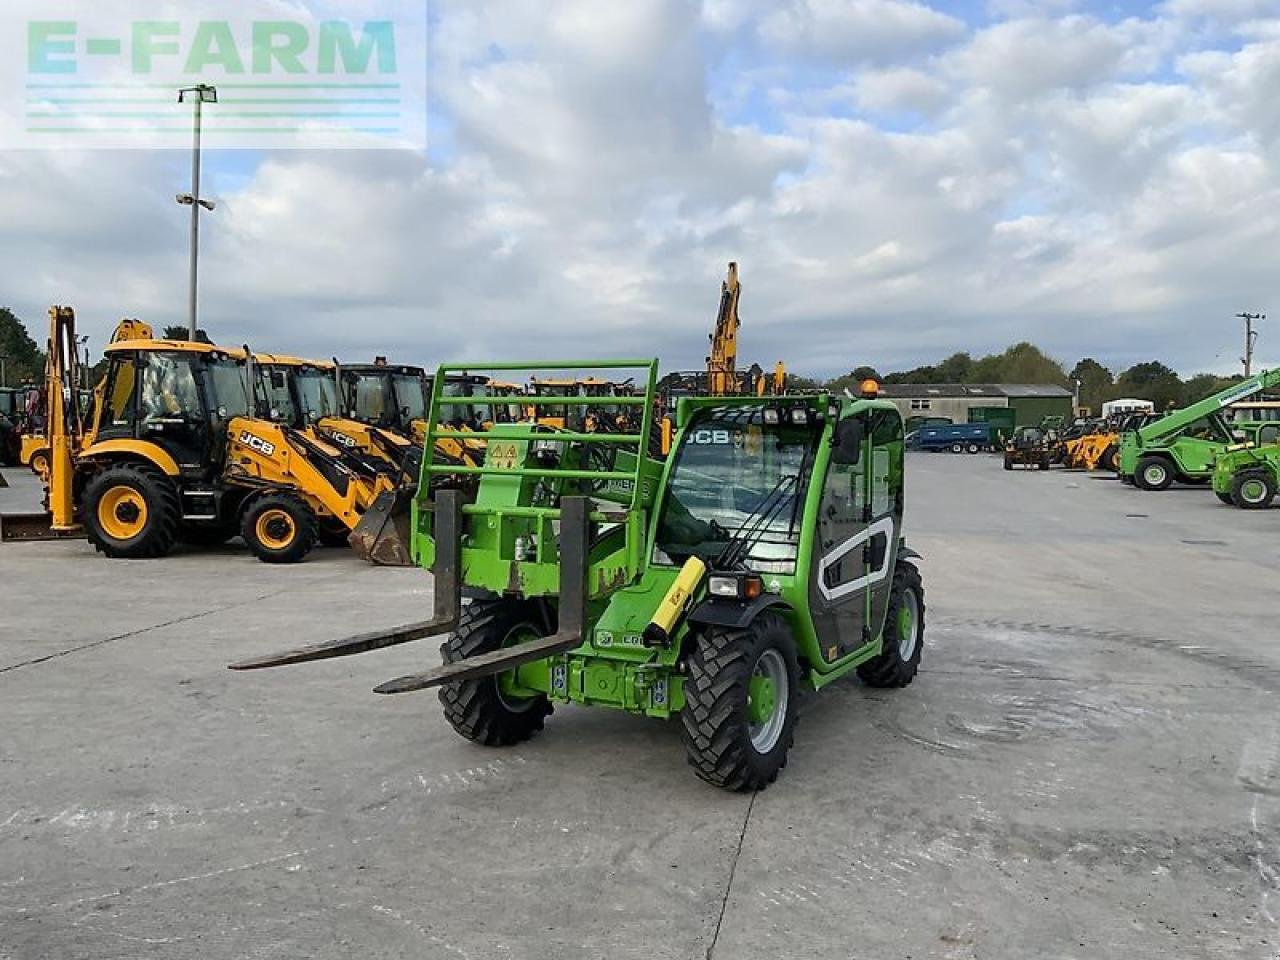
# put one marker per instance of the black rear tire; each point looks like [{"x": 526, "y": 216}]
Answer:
[
  {"x": 1253, "y": 489},
  {"x": 903, "y": 638},
  {"x": 1008, "y": 462},
  {"x": 1225, "y": 498},
  {"x": 1110, "y": 459},
  {"x": 1153, "y": 474},
  {"x": 280, "y": 528},
  {"x": 477, "y": 709},
  {"x": 718, "y": 718},
  {"x": 113, "y": 498},
  {"x": 957, "y": 448}
]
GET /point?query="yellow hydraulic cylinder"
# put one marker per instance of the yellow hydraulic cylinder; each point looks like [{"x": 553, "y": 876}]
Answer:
[{"x": 673, "y": 605}]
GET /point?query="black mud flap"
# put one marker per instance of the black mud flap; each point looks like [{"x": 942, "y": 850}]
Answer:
[
  {"x": 447, "y": 610},
  {"x": 575, "y": 539},
  {"x": 382, "y": 535}
]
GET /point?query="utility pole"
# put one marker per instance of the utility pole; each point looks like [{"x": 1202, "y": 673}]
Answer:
[
  {"x": 4, "y": 376},
  {"x": 1250, "y": 339},
  {"x": 201, "y": 94}
]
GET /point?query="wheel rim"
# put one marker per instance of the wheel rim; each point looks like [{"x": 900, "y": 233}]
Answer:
[
  {"x": 1253, "y": 491},
  {"x": 122, "y": 513},
  {"x": 506, "y": 682},
  {"x": 275, "y": 529},
  {"x": 768, "y": 692},
  {"x": 1155, "y": 474},
  {"x": 908, "y": 625}
]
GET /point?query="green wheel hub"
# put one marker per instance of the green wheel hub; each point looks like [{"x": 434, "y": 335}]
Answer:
[
  {"x": 762, "y": 699},
  {"x": 1253, "y": 490},
  {"x": 908, "y": 625}
]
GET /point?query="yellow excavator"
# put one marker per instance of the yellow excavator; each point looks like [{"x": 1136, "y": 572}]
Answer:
[{"x": 175, "y": 448}]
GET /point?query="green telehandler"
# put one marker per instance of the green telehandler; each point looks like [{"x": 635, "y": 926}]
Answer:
[
  {"x": 1184, "y": 445},
  {"x": 763, "y": 558}
]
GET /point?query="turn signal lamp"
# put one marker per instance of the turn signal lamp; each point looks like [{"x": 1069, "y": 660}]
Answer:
[{"x": 870, "y": 389}]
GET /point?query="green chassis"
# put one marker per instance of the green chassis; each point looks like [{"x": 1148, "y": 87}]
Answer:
[
  {"x": 625, "y": 583},
  {"x": 1250, "y": 459}
]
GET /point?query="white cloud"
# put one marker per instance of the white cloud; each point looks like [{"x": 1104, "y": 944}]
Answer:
[
  {"x": 1064, "y": 185},
  {"x": 857, "y": 30}
]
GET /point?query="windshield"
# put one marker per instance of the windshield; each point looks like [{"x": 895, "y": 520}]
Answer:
[
  {"x": 369, "y": 400},
  {"x": 227, "y": 379},
  {"x": 470, "y": 413},
  {"x": 273, "y": 387},
  {"x": 410, "y": 397},
  {"x": 169, "y": 390},
  {"x": 317, "y": 394},
  {"x": 733, "y": 471}
]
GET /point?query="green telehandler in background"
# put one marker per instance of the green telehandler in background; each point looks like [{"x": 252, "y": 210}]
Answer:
[
  {"x": 1184, "y": 445},
  {"x": 763, "y": 558}
]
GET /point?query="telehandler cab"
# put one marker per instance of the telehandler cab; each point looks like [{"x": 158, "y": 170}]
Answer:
[{"x": 763, "y": 558}]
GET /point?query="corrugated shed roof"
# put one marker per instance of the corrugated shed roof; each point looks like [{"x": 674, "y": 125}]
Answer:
[{"x": 975, "y": 391}]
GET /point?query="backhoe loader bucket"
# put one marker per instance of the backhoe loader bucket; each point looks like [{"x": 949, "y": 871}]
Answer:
[
  {"x": 382, "y": 535},
  {"x": 32, "y": 527}
]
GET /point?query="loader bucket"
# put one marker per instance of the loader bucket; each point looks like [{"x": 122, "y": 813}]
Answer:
[
  {"x": 382, "y": 535},
  {"x": 31, "y": 527}
]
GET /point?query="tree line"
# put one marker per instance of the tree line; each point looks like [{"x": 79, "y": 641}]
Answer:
[
  {"x": 1020, "y": 363},
  {"x": 1026, "y": 363}
]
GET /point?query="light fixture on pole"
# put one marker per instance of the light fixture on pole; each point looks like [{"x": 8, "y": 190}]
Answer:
[
  {"x": 200, "y": 95},
  {"x": 1250, "y": 339}
]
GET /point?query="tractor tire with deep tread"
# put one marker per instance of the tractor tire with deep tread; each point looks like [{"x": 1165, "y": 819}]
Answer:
[
  {"x": 898, "y": 662},
  {"x": 1110, "y": 459},
  {"x": 477, "y": 709},
  {"x": 279, "y": 528},
  {"x": 132, "y": 512},
  {"x": 724, "y": 673},
  {"x": 1253, "y": 489},
  {"x": 334, "y": 533},
  {"x": 1153, "y": 474}
]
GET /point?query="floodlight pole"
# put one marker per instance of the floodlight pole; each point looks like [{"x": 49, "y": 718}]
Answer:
[
  {"x": 1250, "y": 339},
  {"x": 200, "y": 94}
]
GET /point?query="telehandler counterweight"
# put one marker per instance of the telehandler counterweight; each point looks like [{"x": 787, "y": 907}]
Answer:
[{"x": 763, "y": 557}]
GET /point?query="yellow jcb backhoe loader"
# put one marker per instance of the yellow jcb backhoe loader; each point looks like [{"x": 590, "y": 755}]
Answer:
[{"x": 174, "y": 451}]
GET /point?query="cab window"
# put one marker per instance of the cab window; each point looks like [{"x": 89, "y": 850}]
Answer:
[
  {"x": 120, "y": 407},
  {"x": 168, "y": 388}
]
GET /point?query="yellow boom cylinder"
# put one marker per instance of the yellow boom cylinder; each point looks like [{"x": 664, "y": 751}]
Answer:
[{"x": 673, "y": 605}]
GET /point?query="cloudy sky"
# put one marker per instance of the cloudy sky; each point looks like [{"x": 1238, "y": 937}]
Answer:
[{"x": 898, "y": 179}]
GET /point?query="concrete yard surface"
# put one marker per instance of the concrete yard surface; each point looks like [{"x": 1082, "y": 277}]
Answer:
[{"x": 1088, "y": 765}]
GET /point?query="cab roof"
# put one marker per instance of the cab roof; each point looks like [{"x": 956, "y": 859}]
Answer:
[
  {"x": 174, "y": 346},
  {"x": 384, "y": 369},
  {"x": 276, "y": 360}
]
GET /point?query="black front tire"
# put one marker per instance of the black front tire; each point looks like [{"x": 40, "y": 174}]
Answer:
[
  {"x": 1153, "y": 474},
  {"x": 334, "y": 533},
  {"x": 159, "y": 531},
  {"x": 899, "y": 660},
  {"x": 1225, "y": 498},
  {"x": 280, "y": 528},
  {"x": 716, "y": 720},
  {"x": 477, "y": 709},
  {"x": 1253, "y": 490}
]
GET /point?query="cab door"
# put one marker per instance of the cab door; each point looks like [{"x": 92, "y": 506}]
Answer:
[
  {"x": 859, "y": 524},
  {"x": 837, "y": 595}
]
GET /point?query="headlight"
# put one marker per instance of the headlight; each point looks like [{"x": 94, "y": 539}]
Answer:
[
  {"x": 772, "y": 416},
  {"x": 745, "y": 586},
  {"x": 799, "y": 416}
]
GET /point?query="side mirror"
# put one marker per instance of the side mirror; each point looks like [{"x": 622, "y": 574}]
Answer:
[{"x": 847, "y": 441}]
